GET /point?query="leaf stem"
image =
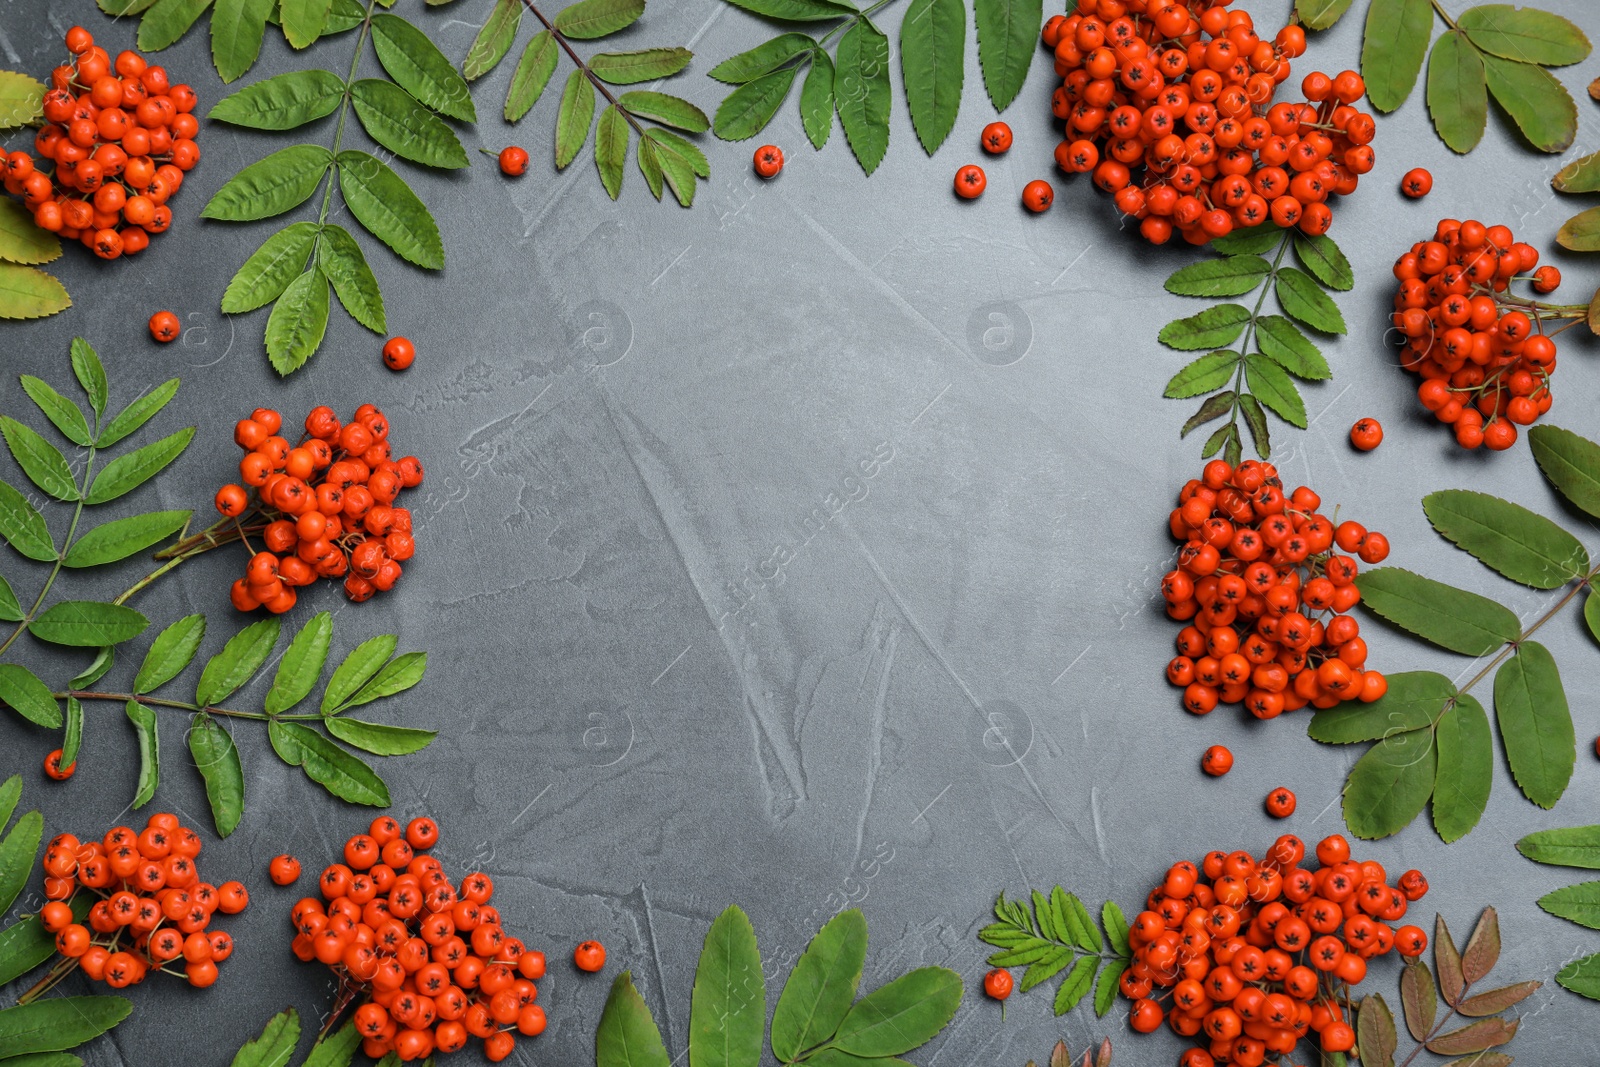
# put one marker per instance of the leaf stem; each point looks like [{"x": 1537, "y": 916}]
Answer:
[
  {"x": 1448, "y": 21},
  {"x": 178, "y": 705},
  {"x": 1249, "y": 335},
  {"x": 66, "y": 546},
  {"x": 338, "y": 135},
  {"x": 594, "y": 79},
  {"x": 852, "y": 20}
]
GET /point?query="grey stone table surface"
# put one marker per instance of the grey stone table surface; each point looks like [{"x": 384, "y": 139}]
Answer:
[{"x": 750, "y": 530}]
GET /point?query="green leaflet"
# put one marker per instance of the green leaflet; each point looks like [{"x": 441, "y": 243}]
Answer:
[
  {"x": 24, "y": 945},
  {"x": 20, "y": 240},
  {"x": 1582, "y": 976},
  {"x": 1414, "y": 699},
  {"x": 899, "y": 1016},
  {"x": 358, "y": 667},
  {"x": 678, "y": 163},
  {"x": 728, "y": 1013},
  {"x": 1577, "y": 903},
  {"x": 1524, "y": 34},
  {"x": 55, "y": 1024},
  {"x": 1214, "y": 407},
  {"x": 1105, "y": 987},
  {"x": 1304, "y": 300},
  {"x": 104, "y": 659},
  {"x": 238, "y": 661},
  {"x": 574, "y": 118},
  {"x": 861, "y": 91},
  {"x": 128, "y": 421},
  {"x": 24, "y": 693},
  {"x": 1389, "y": 784},
  {"x": 932, "y": 55},
  {"x": 301, "y": 665},
  {"x": 1458, "y": 94},
  {"x": 666, "y": 109},
  {"x": 1215, "y": 327},
  {"x": 282, "y": 102},
  {"x": 417, "y": 65},
  {"x": 1522, "y": 545},
  {"x": 1393, "y": 48},
  {"x": 40, "y": 460},
  {"x": 589, "y": 20},
  {"x": 533, "y": 72},
  {"x": 87, "y": 624},
  {"x": 1579, "y": 176},
  {"x": 237, "y": 29},
  {"x": 1541, "y": 107},
  {"x": 1324, "y": 259},
  {"x": 1281, "y": 341},
  {"x": 816, "y": 99},
  {"x": 1320, "y": 14},
  {"x": 21, "y": 99},
  {"x": 820, "y": 989},
  {"x": 303, "y": 20},
  {"x": 1272, "y": 386},
  {"x": 27, "y": 293},
  {"x": 1256, "y": 419},
  {"x": 763, "y": 58},
  {"x": 346, "y": 268},
  {"x": 396, "y": 120},
  {"x": 217, "y": 760},
  {"x": 1008, "y": 32},
  {"x": 298, "y": 322},
  {"x": 1581, "y": 233},
  {"x": 121, "y": 538},
  {"x": 1571, "y": 463},
  {"x": 18, "y": 851},
  {"x": 281, "y": 182},
  {"x": 797, "y": 10},
  {"x": 642, "y": 65},
  {"x": 1571, "y": 846},
  {"x": 23, "y": 526},
  {"x": 61, "y": 412},
  {"x": 144, "y": 726},
  {"x": 650, "y": 166},
  {"x": 168, "y": 20},
  {"x": 398, "y": 675},
  {"x": 611, "y": 149},
  {"x": 378, "y": 738},
  {"x": 627, "y": 1035},
  {"x": 747, "y": 110},
  {"x": 325, "y": 763},
  {"x": 10, "y": 607},
  {"x": 276, "y": 1044},
  {"x": 494, "y": 40},
  {"x": 387, "y": 207},
  {"x": 91, "y": 374},
  {"x": 1535, "y": 724},
  {"x": 1208, "y": 373},
  {"x": 1465, "y": 769},
  {"x": 1229, "y": 276},
  {"x": 1448, "y": 617},
  {"x": 1076, "y": 985}
]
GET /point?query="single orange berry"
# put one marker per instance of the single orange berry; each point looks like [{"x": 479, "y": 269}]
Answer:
[
  {"x": 589, "y": 956},
  {"x": 165, "y": 327}
]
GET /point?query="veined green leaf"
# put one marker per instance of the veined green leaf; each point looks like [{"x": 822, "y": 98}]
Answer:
[
  {"x": 1324, "y": 259},
  {"x": 358, "y": 667},
  {"x": 494, "y": 40},
  {"x": 399, "y": 674},
  {"x": 1570, "y": 846},
  {"x": 1465, "y": 769},
  {"x": 728, "y": 1013},
  {"x": 18, "y": 851},
  {"x": 611, "y": 149},
  {"x": 129, "y": 420},
  {"x": 1579, "y": 176},
  {"x": 417, "y": 65},
  {"x": 105, "y": 658},
  {"x": 1521, "y": 544},
  {"x": 533, "y": 72},
  {"x": 55, "y": 1024},
  {"x": 588, "y": 20},
  {"x": 303, "y": 20},
  {"x": 1541, "y": 106},
  {"x": 121, "y": 538},
  {"x": 1458, "y": 92},
  {"x": 862, "y": 93},
  {"x": 237, "y": 29},
  {"x": 61, "y": 412},
  {"x": 642, "y": 65},
  {"x": 1524, "y": 34},
  {"x": 91, "y": 374},
  {"x": 1582, "y": 976},
  {"x": 378, "y": 738},
  {"x": 144, "y": 726},
  {"x": 20, "y": 240},
  {"x": 126, "y": 473},
  {"x": 387, "y": 207},
  {"x": 22, "y": 525},
  {"x": 1389, "y": 784},
  {"x": 40, "y": 460},
  {"x": 276, "y": 1045},
  {"x": 345, "y": 266},
  {"x": 1212, "y": 328},
  {"x": 901, "y": 1015},
  {"x": 1076, "y": 985},
  {"x": 650, "y": 166},
  {"x": 1214, "y": 407},
  {"x": 680, "y": 161},
  {"x": 627, "y": 1035},
  {"x": 1272, "y": 386},
  {"x": 24, "y": 693},
  {"x": 282, "y": 102},
  {"x": 1204, "y": 375},
  {"x": 239, "y": 659},
  {"x": 1105, "y": 987},
  {"x": 10, "y": 607},
  {"x": 797, "y": 10},
  {"x": 1393, "y": 48},
  {"x": 932, "y": 56},
  {"x": 21, "y": 99},
  {"x": 1281, "y": 341},
  {"x": 24, "y": 945},
  {"x": 1230, "y": 276},
  {"x": 166, "y": 21},
  {"x": 762, "y": 59},
  {"x": 396, "y": 120},
  {"x": 749, "y": 108},
  {"x": 1535, "y": 724},
  {"x": 72, "y": 737},
  {"x": 280, "y": 182},
  {"x": 29, "y": 293},
  {"x": 666, "y": 109},
  {"x": 340, "y": 773},
  {"x": 1571, "y": 463},
  {"x": 217, "y": 760},
  {"x": 816, "y": 99},
  {"x": 1320, "y": 14},
  {"x": 574, "y": 118},
  {"x": 1008, "y": 32},
  {"x": 1302, "y": 298},
  {"x": 1441, "y": 614},
  {"x": 820, "y": 989},
  {"x": 1581, "y": 233},
  {"x": 301, "y": 665},
  {"x": 1413, "y": 701},
  {"x": 87, "y": 624}
]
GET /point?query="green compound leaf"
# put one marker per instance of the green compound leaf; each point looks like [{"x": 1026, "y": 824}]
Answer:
[
  {"x": 238, "y": 661},
  {"x": 728, "y": 1012},
  {"x": 1204, "y": 375},
  {"x": 1303, "y": 299},
  {"x": 1393, "y": 48},
  {"x": 130, "y": 419},
  {"x": 283, "y": 102},
  {"x": 1231, "y": 276},
  {"x": 87, "y": 624},
  {"x": 1571, "y": 846},
  {"x": 396, "y": 120},
  {"x": 1008, "y": 32},
  {"x": 816, "y": 99},
  {"x": 1451, "y": 618},
  {"x": 589, "y": 20},
  {"x": 747, "y": 110},
  {"x": 1465, "y": 769},
  {"x": 383, "y": 203},
  {"x": 1521, "y": 544},
  {"x": 1458, "y": 92},
  {"x": 901, "y": 1015},
  {"x": 1272, "y": 386},
  {"x": 298, "y": 322},
  {"x": 1535, "y": 724},
  {"x": 417, "y": 65},
  {"x": 345, "y": 266},
  {"x": 61, "y": 412},
  {"x": 932, "y": 56},
  {"x": 574, "y": 118},
  {"x": 820, "y": 989},
  {"x": 763, "y": 58},
  {"x": 121, "y": 538},
  {"x": 533, "y": 72},
  {"x": 1281, "y": 341},
  {"x": 1540, "y": 106},
  {"x": 627, "y": 1035},
  {"x": 862, "y": 92},
  {"x": 217, "y": 760},
  {"x": 494, "y": 40},
  {"x": 23, "y": 692},
  {"x": 1214, "y": 327},
  {"x": 1389, "y": 784},
  {"x": 1524, "y": 34}
]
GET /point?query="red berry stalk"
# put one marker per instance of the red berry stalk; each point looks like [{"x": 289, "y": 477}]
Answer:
[
  {"x": 1266, "y": 595},
  {"x": 115, "y": 145},
  {"x": 1483, "y": 353}
]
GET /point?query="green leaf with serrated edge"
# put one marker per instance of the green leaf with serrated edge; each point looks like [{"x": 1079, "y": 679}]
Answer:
[
  {"x": 276, "y": 1044},
  {"x": 168, "y": 20},
  {"x": 105, "y": 658},
  {"x": 666, "y": 109},
  {"x": 1465, "y": 769},
  {"x": 1028, "y": 952},
  {"x": 1458, "y": 92},
  {"x": 1392, "y": 49},
  {"x": 728, "y": 1012},
  {"x": 126, "y": 473},
  {"x": 1116, "y": 927},
  {"x": 1494, "y": 1001},
  {"x": 533, "y": 72},
  {"x": 611, "y": 149},
  {"x": 24, "y": 945},
  {"x": 418, "y": 67},
  {"x": 861, "y": 92},
  {"x": 797, "y": 10},
  {"x": 144, "y": 727},
  {"x": 932, "y": 57},
  {"x": 1581, "y": 233},
  {"x": 61, "y": 412},
  {"x": 40, "y": 460},
  {"x": 378, "y": 738},
  {"x": 650, "y": 166},
  {"x": 820, "y": 989},
  {"x": 55, "y": 1024},
  {"x": 301, "y": 664},
  {"x": 1324, "y": 259},
  {"x": 1413, "y": 700},
  {"x": 1570, "y": 846},
  {"x": 237, "y": 30},
  {"x": 1535, "y": 724},
  {"x": 677, "y": 170},
  {"x": 87, "y": 624},
  {"x": 762, "y": 59},
  {"x": 1520, "y": 544},
  {"x": 1281, "y": 341},
  {"x": 574, "y": 118},
  {"x": 396, "y": 120},
  {"x": 121, "y": 538},
  {"x": 26, "y": 293},
  {"x": 1045, "y": 920},
  {"x": 119, "y": 8},
  {"x": 136, "y": 414},
  {"x": 667, "y": 140},
  {"x": 1303, "y": 299},
  {"x": 1008, "y": 32},
  {"x": 1105, "y": 987},
  {"x": 902, "y": 1014},
  {"x": 1256, "y": 419},
  {"x": 1205, "y": 374},
  {"x": 282, "y": 102},
  {"x": 1221, "y": 437},
  {"x": 1419, "y": 998},
  {"x": 399, "y": 674},
  {"x": 22, "y": 525},
  {"x": 1440, "y": 614},
  {"x": 642, "y": 65},
  {"x": 1214, "y": 327},
  {"x": 217, "y": 760},
  {"x": 20, "y": 240},
  {"x": 1570, "y": 463},
  {"x": 298, "y": 322},
  {"x": 21, "y": 99},
  {"x": 1320, "y": 14},
  {"x": 303, "y": 21},
  {"x": 816, "y": 99},
  {"x": 1483, "y": 1034},
  {"x": 589, "y": 20},
  {"x": 1213, "y": 408},
  {"x": 1582, "y": 977},
  {"x": 387, "y": 207},
  {"x": 239, "y": 659},
  {"x": 1272, "y": 386},
  {"x": 23, "y": 692},
  {"x": 1579, "y": 176},
  {"x": 91, "y": 374},
  {"x": 346, "y": 268},
  {"x": 1540, "y": 106},
  {"x": 346, "y": 15},
  {"x": 1076, "y": 985},
  {"x": 1376, "y": 1032},
  {"x": 18, "y": 851},
  {"x": 280, "y": 182},
  {"x": 627, "y": 1035},
  {"x": 747, "y": 110},
  {"x": 1249, "y": 241},
  {"x": 358, "y": 667},
  {"x": 1046, "y": 967},
  {"x": 1389, "y": 784},
  {"x": 10, "y": 607},
  {"x": 340, "y": 773},
  {"x": 1230, "y": 276},
  {"x": 1524, "y": 34},
  {"x": 494, "y": 40},
  {"x": 10, "y": 793},
  {"x": 338, "y": 1049},
  {"x": 1074, "y": 917}
]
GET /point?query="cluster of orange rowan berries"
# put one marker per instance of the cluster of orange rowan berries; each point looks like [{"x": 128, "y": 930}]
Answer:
[
  {"x": 153, "y": 909},
  {"x": 430, "y": 959},
  {"x": 1485, "y": 362},
  {"x": 327, "y": 505},
  {"x": 1265, "y": 595},
  {"x": 117, "y": 141},
  {"x": 1170, "y": 104},
  {"x": 1255, "y": 955}
]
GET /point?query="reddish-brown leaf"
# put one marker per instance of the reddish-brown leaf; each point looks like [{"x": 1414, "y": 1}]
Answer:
[
  {"x": 1104, "y": 1058},
  {"x": 1059, "y": 1056},
  {"x": 1375, "y": 1033},
  {"x": 1483, "y": 947},
  {"x": 1485, "y": 1033},
  {"x": 1420, "y": 998},
  {"x": 1497, "y": 1000},
  {"x": 1447, "y": 961},
  {"x": 1594, "y": 88}
]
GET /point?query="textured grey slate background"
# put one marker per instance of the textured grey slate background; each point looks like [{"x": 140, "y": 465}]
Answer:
[{"x": 658, "y": 690}]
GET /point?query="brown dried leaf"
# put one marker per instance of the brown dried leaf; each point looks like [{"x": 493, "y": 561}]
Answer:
[
  {"x": 1059, "y": 1056},
  {"x": 1594, "y": 88},
  {"x": 1483, "y": 947},
  {"x": 1485, "y": 1033},
  {"x": 1104, "y": 1058},
  {"x": 1594, "y": 310},
  {"x": 1482, "y": 1059},
  {"x": 1375, "y": 1032},
  {"x": 1447, "y": 962},
  {"x": 1497, "y": 1000},
  {"x": 1420, "y": 999},
  {"x": 1088, "y": 1057}
]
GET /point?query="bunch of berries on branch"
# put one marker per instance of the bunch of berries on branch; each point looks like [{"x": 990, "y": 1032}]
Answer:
[
  {"x": 1482, "y": 352},
  {"x": 1264, "y": 582},
  {"x": 323, "y": 508},
  {"x": 428, "y": 961},
  {"x": 1170, "y": 104},
  {"x": 115, "y": 145},
  {"x": 152, "y": 911},
  {"x": 1256, "y": 955}
]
